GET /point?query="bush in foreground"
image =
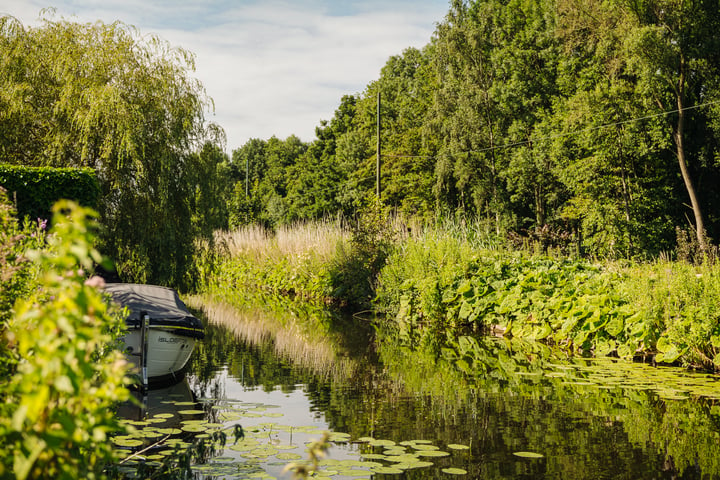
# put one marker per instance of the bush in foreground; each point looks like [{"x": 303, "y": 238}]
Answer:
[{"x": 56, "y": 413}]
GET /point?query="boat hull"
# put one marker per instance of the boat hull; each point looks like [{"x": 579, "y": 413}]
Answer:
[{"x": 168, "y": 354}]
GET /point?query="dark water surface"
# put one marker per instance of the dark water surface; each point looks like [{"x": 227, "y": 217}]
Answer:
[{"x": 483, "y": 409}]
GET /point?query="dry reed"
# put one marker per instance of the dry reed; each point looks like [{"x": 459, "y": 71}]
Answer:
[{"x": 318, "y": 238}]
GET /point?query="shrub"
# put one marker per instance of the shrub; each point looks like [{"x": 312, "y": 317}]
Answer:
[{"x": 56, "y": 416}]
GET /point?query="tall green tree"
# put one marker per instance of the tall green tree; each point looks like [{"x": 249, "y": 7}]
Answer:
[
  {"x": 674, "y": 51},
  {"x": 605, "y": 148},
  {"x": 247, "y": 168},
  {"x": 270, "y": 167},
  {"x": 406, "y": 84},
  {"x": 106, "y": 97},
  {"x": 317, "y": 178}
]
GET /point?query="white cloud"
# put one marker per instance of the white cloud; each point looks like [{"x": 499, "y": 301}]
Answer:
[{"x": 272, "y": 67}]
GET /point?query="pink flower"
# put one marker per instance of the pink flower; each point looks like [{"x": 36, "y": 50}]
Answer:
[{"x": 95, "y": 282}]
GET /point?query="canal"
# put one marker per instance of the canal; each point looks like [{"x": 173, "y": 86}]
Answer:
[{"x": 481, "y": 408}]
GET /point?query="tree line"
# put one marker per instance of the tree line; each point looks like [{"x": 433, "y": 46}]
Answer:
[{"x": 582, "y": 122}]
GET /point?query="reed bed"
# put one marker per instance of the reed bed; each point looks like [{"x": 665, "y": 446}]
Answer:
[{"x": 319, "y": 239}]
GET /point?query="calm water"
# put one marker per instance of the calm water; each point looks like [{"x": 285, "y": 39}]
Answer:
[{"x": 484, "y": 409}]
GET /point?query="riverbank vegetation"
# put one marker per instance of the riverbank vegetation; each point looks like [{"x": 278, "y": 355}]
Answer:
[{"x": 437, "y": 284}]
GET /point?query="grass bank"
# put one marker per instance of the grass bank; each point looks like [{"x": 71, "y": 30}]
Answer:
[{"x": 434, "y": 284}]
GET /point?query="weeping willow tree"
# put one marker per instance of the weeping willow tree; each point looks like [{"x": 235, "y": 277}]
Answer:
[{"x": 106, "y": 97}]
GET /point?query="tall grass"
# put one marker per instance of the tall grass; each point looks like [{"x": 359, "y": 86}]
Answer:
[{"x": 319, "y": 238}]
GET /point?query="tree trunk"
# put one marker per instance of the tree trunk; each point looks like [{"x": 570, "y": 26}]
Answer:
[{"x": 679, "y": 143}]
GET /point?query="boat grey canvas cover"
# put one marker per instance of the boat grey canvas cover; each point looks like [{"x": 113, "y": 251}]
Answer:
[{"x": 162, "y": 305}]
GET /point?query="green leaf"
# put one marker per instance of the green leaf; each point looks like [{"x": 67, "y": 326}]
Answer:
[
  {"x": 528, "y": 454},
  {"x": 615, "y": 325}
]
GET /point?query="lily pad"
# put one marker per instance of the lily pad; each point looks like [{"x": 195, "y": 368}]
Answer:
[
  {"x": 456, "y": 446},
  {"x": 454, "y": 471},
  {"x": 387, "y": 470},
  {"x": 288, "y": 456},
  {"x": 432, "y": 453},
  {"x": 191, "y": 412},
  {"x": 124, "y": 441},
  {"x": 528, "y": 454}
]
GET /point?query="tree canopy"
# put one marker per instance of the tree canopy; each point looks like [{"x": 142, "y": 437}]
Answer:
[
  {"x": 574, "y": 120},
  {"x": 126, "y": 105}
]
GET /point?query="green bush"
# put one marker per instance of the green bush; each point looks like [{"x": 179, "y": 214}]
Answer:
[
  {"x": 354, "y": 270},
  {"x": 439, "y": 286},
  {"x": 36, "y": 189},
  {"x": 56, "y": 413},
  {"x": 17, "y": 274}
]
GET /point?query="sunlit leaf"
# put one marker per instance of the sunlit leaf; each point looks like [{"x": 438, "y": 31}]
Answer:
[{"x": 528, "y": 454}]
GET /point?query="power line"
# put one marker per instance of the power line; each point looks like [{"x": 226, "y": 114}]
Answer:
[{"x": 559, "y": 135}]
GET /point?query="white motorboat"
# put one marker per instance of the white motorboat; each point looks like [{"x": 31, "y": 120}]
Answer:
[{"x": 161, "y": 331}]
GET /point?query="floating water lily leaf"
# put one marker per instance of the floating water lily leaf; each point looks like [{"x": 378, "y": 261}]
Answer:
[
  {"x": 125, "y": 441},
  {"x": 354, "y": 473},
  {"x": 425, "y": 447},
  {"x": 394, "y": 451},
  {"x": 286, "y": 447},
  {"x": 432, "y": 453},
  {"x": 365, "y": 439},
  {"x": 193, "y": 422},
  {"x": 339, "y": 437},
  {"x": 387, "y": 470},
  {"x": 241, "y": 447},
  {"x": 454, "y": 471},
  {"x": 193, "y": 428},
  {"x": 163, "y": 415},
  {"x": 456, "y": 446},
  {"x": 381, "y": 443},
  {"x": 191, "y": 412},
  {"x": 406, "y": 458},
  {"x": 326, "y": 473},
  {"x": 157, "y": 420},
  {"x": 420, "y": 464},
  {"x": 288, "y": 456},
  {"x": 230, "y": 416},
  {"x": 373, "y": 456},
  {"x": 138, "y": 423},
  {"x": 528, "y": 454}
]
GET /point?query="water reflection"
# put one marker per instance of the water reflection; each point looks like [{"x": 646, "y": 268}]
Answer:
[
  {"x": 164, "y": 402},
  {"x": 286, "y": 378}
]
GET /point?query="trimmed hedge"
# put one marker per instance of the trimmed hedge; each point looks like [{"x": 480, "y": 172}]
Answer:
[{"x": 34, "y": 190}]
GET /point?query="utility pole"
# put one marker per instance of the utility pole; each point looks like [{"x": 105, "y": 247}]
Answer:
[
  {"x": 247, "y": 173},
  {"x": 378, "y": 154}
]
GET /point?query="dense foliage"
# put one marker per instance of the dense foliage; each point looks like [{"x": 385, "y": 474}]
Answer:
[
  {"x": 61, "y": 371},
  {"x": 123, "y": 104},
  {"x": 35, "y": 190},
  {"x": 437, "y": 286},
  {"x": 584, "y": 123}
]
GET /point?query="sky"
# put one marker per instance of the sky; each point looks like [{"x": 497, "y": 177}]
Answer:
[{"x": 272, "y": 67}]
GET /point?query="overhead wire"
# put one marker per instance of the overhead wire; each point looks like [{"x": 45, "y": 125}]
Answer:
[{"x": 559, "y": 135}]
